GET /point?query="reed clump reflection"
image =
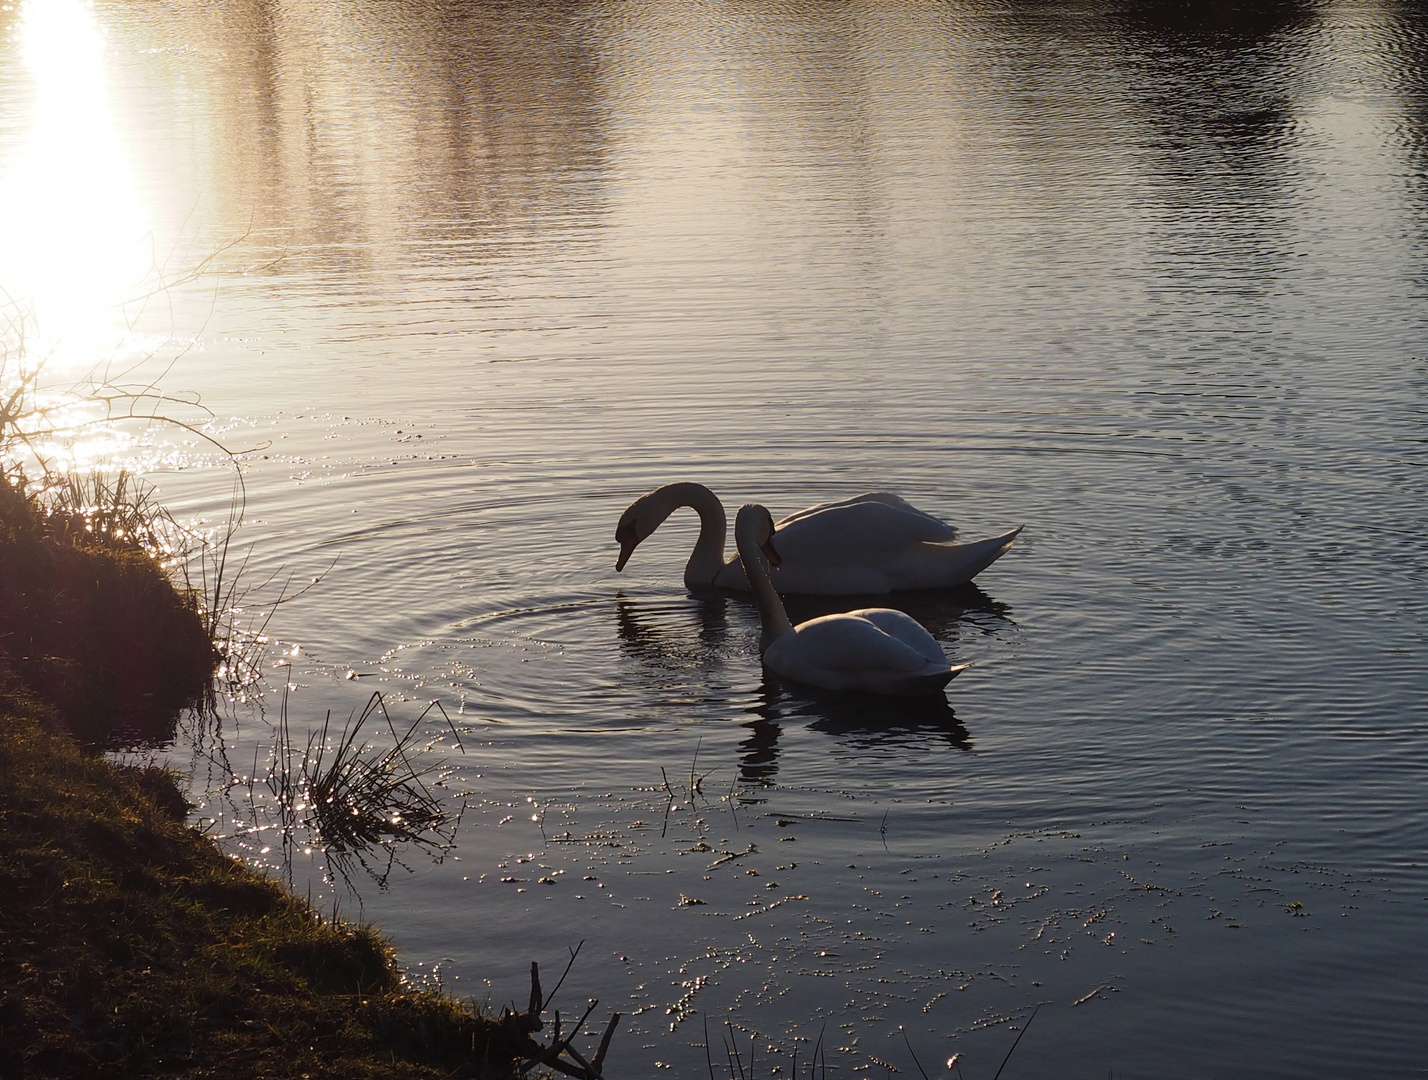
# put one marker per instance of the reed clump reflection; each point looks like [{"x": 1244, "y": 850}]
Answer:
[{"x": 354, "y": 798}]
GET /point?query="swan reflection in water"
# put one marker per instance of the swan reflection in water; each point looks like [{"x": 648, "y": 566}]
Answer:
[
  {"x": 708, "y": 630},
  {"x": 693, "y": 631},
  {"x": 675, "y": 635},
  {"x": 861, "y": 721}
]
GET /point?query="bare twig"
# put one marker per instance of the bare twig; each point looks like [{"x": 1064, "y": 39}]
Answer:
[
  {"x": 913, "y": 1053},
  {"x": 1024, "y": 1026},
  {"x": 560, "y": 1048},
  {"x": 605, "y": 1041}
]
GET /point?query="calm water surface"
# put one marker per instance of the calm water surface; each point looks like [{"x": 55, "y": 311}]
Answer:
[{"x": 484, "y": 273}]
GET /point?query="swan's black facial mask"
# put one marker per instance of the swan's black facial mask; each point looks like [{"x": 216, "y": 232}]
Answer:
[
  {"x": 627, "y": 535},
  {"x": 771, "y": 553}
]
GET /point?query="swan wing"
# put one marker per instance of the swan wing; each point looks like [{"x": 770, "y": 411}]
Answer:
[
  {"x": 876, "y": 521},
  {"x": 904, "y": 628},
  {"x": 851, "y": 645},
  {"x": 930, "y": 566},
  {"x": 874, "y": 543}
]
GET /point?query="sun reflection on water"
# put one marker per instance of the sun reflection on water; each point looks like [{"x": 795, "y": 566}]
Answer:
[{"x": 76, "y": 236}]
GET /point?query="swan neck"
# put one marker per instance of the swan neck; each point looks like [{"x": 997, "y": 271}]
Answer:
[
  {"x": 707, "y": 558},
  {"x": 772, "y": 613}
]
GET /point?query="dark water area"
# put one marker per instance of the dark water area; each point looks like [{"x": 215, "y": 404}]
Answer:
[{"x": 1151, "y": 279}]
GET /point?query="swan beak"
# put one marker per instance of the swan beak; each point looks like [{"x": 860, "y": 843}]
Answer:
[
  {"x": 626, "y": 548},
  {"x": 771, "y": 553}
]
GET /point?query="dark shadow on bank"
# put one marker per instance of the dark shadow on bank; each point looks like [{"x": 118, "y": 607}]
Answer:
[{"x": 89, "y": 620}]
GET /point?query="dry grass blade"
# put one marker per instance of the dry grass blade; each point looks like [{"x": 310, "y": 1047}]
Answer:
[
  {"x": 734, "y": 1045},
  {"x": 910, "y": 1050},
  {"x": 1024, "y": 1026},
  {"x": 708, "y": 1058}
]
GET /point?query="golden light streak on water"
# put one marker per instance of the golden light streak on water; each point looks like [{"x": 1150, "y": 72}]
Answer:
[{"x": 76, "y": 233}]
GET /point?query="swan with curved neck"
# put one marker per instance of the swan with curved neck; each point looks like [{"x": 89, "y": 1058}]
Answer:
[
  {"x": 879, "y": 650},
  {"x": 874, "y": 543}
]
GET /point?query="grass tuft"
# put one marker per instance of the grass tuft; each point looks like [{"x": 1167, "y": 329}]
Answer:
[
  {"x": 355, "y": 797},
  {"x": 360, "y": 795},
  {"x": 91, "y": 622}
]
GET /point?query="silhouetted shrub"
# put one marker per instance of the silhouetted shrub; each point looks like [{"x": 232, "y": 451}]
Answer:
[{"x": 93, "y": 624}]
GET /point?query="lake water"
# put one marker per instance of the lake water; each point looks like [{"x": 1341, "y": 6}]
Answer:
[{"x": 1156, "y": 287}]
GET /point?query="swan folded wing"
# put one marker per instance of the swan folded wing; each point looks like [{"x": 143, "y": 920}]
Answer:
[
  {"x": 940, "y": 565},
  {"x": 885, "y": 497},
  {"x": 851, "y": 643},
  {"x": 906, "y": 629},
  {"x": 858, "y": 530}
]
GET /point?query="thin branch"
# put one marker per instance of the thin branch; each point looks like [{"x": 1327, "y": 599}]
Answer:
[{"x": 1022, "y": 1032}]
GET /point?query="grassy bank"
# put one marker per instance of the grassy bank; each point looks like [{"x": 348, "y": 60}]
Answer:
[{"x": 129, "y": 944}]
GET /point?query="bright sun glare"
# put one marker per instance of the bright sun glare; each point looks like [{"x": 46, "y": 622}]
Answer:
[{"x": 75, "y": 237}]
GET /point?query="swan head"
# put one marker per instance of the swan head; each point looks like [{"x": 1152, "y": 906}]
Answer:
[
  {"x": 756, "y": 524},
  {"x": 648, "y": 512},
  {"x": 636, "y": 523}
]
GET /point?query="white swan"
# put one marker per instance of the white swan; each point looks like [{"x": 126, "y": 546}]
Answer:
[
  {"x": 875, "y": 649},
  {"x": 874, "y": 543}
]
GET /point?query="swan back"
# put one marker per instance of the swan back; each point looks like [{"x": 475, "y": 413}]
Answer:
[
  {"x": 875, "y": 543},
  {"x": 877, "y": 519},
  {"x": 879, "y": 650}
]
